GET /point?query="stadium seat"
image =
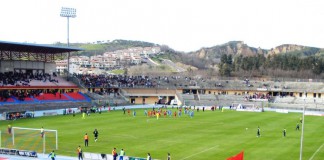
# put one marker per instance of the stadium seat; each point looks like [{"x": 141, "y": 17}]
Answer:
[
  {"x": 76, "y": 96},
  {"x": 50, "y": 96}
]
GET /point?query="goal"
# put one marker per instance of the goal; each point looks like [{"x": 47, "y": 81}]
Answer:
[
  {"x": 243, "y": 105},
  {"x": 31, "y": 139},
  {"x": 246, "y": 107}
]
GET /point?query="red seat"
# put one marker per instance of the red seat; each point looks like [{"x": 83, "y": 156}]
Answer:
[
  {"x": 50, "y": 96},
  {"x": 76, "y": 96},
  {"x": 8, "y": 100}
]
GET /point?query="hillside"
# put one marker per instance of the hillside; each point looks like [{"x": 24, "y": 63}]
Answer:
[
  {"x": 234, "y": 58},
  {"x": 295, "y": 49},
  {"x": 208, "y": 53},
  {"x": 232, "y": 47},
  {"x": 239, "y": 48}
]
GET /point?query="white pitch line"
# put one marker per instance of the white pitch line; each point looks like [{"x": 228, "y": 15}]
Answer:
[
  {"x": 316, "y": 152},
  {"x": 199, "y": 152}
]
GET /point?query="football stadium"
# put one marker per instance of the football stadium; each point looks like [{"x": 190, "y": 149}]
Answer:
[
  {"x": 184, "y": 117},
  {"x": 130, "y": 99}
]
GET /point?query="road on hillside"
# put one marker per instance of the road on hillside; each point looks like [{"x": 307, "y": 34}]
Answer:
[
  {"x": 149, "y": 61},
  {"x": 166, "y": 62},
  {"x": 173, "y": 65}
]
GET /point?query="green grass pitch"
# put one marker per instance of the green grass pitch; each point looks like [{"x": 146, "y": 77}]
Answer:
[{"x": 208, "y": 135}]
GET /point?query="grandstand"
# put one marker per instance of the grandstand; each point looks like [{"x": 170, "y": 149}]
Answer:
[
  {"x": 28, "y": 80},
  {"x": 213, "y": 91}
]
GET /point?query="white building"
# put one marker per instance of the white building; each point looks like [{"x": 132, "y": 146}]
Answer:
[{"x": 132, "y": 55}]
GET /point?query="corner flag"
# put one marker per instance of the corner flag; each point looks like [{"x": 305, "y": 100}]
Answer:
[{"x": 237, "y": 157}]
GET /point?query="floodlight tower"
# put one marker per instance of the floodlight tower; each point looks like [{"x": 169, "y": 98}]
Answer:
[{"x": 68, "y": 13}]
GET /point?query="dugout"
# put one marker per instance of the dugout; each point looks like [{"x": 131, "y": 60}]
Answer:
[
  {"x": 84, "y": 109},
  {"x": 17, "y": 115},
  {"x": 92, "y": 109}
]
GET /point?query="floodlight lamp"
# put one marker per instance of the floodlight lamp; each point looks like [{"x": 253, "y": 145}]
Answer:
[{"x": 68, "y": 12}]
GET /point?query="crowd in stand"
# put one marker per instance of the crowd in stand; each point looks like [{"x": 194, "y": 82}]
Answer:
[
  {"x": 105, "y": 81},
  {"x": 23, "y": 79},
  {"x": 116, "y": 81},
  {"x": 108, "y": 81}
]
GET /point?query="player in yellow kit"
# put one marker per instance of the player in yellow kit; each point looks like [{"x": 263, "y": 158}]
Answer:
[{"x": 157, "y": 115}]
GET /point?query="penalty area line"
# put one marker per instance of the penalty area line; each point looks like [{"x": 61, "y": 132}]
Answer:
[
  {"x": 316, "y": 152},
  {"x": 199, "y": 152}
]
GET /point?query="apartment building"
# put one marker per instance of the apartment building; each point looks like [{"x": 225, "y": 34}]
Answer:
[{"x": 132, "y": 56}]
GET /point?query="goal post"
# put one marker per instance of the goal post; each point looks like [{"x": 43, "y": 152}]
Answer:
[{"x": 32, "y": 139}]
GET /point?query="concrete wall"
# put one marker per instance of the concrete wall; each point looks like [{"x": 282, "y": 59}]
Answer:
[
  {"x": 6, "y": 66},
  {"x": 148, "y": 100},
  {"x": 50, "y": 67}
]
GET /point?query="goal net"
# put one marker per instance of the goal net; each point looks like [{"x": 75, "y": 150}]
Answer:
[
  {"x": 243, "y": 105},
  {"x": 246, "y": 107},
  {"x": 32, "y": 139}
]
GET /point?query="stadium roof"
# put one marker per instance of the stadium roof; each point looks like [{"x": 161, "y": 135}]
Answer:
[{"x": 35, "y": 48}]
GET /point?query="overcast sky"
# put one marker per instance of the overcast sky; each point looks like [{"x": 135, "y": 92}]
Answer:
[{"x": 184, "y": 25}]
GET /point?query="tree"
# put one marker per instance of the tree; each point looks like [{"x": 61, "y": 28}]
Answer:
[
  {"x": 224, "y": 58},
  {"x": 229, "y": 59},
  {"x": 225, "y": 66},
  {"x": 226, "y": 70}
]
